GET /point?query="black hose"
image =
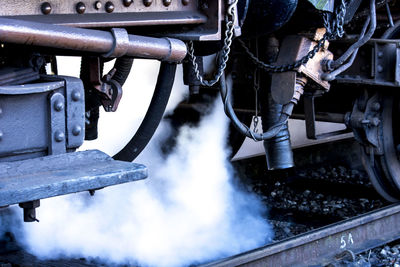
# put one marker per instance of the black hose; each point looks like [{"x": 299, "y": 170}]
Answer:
[
  {"x": 153, "y": 115},
  {"x": 244, "y": 129},
  {"x": 123, "y": 67}
]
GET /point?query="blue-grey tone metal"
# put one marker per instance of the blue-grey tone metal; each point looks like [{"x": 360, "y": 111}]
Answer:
[
  {"x": 37, "y": 118},
  {"x": 75, "y": 109},
  {"x": 56, "y": 124},
  {"x": 50, "y": 176}
]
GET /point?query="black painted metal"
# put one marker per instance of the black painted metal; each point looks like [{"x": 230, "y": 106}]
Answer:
[
  {"x": 278, "y": 149},
  {"x": 50, "y": 176},
  {"x": 319, "y": 247},
  {"x": 266, "y": 16}
]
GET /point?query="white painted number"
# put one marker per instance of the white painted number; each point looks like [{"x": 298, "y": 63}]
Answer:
[{"x": 343, "y": 243}]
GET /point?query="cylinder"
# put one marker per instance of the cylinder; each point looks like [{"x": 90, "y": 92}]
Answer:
[
  {"x": 85, "y": 40},
  {"x": 278, "y": 150}
]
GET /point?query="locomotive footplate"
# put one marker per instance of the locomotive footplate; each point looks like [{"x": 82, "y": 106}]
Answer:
[{"x": 49, "y": 176}]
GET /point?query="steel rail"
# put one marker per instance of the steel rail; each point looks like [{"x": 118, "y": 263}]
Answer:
[{"x": 324, "y": 245}]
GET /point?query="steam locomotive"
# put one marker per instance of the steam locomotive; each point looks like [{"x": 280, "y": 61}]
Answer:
[{"x": 327, "y": 60}]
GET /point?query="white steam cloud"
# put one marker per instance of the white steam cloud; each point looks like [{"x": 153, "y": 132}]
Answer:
[{"x": 187, "y": 211}]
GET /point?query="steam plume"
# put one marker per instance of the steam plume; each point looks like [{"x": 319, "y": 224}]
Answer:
[{"x": 186, "y": 212}]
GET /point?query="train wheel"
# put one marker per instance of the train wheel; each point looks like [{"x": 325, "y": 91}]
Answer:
[{"x": 384, "y": 170}]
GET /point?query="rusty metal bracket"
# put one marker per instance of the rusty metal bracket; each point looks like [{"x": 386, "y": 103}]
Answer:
[{"x": 294, "y": 48}]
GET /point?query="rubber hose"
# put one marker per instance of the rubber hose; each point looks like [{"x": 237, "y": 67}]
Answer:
[
  {"x": 270, "y": 133},
  {"x": 153, "y": 115},
  {"x": 123, "y": 67}
]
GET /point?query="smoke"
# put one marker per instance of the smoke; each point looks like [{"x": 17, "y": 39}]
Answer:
[{"x": 186, "y": 212}]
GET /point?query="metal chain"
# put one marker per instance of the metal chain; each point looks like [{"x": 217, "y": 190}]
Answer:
[
  {"x": 338, "y": 32},
  {"x": 223, "y": 56},
  {"x": 335, "y": 29}
]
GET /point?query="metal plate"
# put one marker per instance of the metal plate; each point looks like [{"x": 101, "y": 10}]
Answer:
[
  {"x": 50, "y": 176},
  {"x": 33, "y": 7}
]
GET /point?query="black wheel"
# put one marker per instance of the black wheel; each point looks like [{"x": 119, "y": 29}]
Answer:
[{"x": 384, "y": 170}]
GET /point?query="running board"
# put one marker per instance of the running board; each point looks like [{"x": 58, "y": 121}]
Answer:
[{"x": 50, "y": 176}]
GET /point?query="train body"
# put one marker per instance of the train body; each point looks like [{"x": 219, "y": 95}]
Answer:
[{"x": 333, "y": 60}]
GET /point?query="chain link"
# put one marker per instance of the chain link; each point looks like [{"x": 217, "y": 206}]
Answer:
[
  {"x": 330, "y": 34},
  {"x": 223, "y": 56}
]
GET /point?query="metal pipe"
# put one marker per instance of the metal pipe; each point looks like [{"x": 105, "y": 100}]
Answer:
[{"x": 85, "y": 40}]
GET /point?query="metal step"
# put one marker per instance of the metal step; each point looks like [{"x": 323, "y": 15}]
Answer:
[{"x": 50, "y": 176}]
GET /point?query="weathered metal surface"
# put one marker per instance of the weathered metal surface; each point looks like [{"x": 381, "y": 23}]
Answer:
[
  {"x": 24, "y": 118},
  {"x": 34, "y": 7},
  {"x": 10, "y": 75},
  {"x": 85, "y": 40},
  {"x": 56, "y": 124},
  {"x": 50, "y": 176},
  {"x": 376, "y": 64},
  {"x": 34, "y": 121},
  {"x": 320, "y": 247},
  {"x": 294, "y": 48},
  {"x": 120, "y": 19},
  {"x": 74, "y": 108}
]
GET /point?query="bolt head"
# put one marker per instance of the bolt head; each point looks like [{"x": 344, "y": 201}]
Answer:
[
  {"x": 110, "y": 7},
  {"x": 185, "y": 2},
  {"x": 98, "y": 5},
  {"x": 76, "y": 130},
  {"x": 58, "y": 105},
  {"x": 127, "y": 3},
  {"x": 1, "y": 135},
  {"x": 147, "y": 2},
  {"x": 59, "y": 136},
  {"x": 76, "y": 95},
  {"x": 45, "y": 8},
  {"x": 80, "y": 8},
  {"x": 167, "y": 2},
  {"x": 380, "y": 68}
]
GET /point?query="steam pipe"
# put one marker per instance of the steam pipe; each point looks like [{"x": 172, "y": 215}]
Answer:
[
  {"x": 153, "y": 115},
  {"x": 112, "y": 44}
]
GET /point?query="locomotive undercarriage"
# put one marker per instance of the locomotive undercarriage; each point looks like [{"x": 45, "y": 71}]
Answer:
[{"x": 45, "y": 117}]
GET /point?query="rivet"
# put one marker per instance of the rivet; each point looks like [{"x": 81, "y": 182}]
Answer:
[
  {"x": 1, "y": 111},
  {"x": 147, "y": 2},
  {"x": 46, "y": 8},
  {"x": 110, "y": 7},
  {"x": 1, "y": 135},
  {"x": 80, "y": 8},
  {"x": 167, "y": 2},
  {"x": 185, "y": 2},
  {"x": 380, "y": 54},
  {"x": 76, "y": 130},
  {"x": 58, "y": 105},
  {"x": 76, "y": 95},
  {"x": 380, "y": 68},
  {"x": 98, "y": 5},
  {"x": 127, "y": 3},
  {"x": 59, "y": 136}
]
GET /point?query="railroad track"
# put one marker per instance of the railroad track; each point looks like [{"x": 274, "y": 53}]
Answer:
[{"x": 325, "y": 245}]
